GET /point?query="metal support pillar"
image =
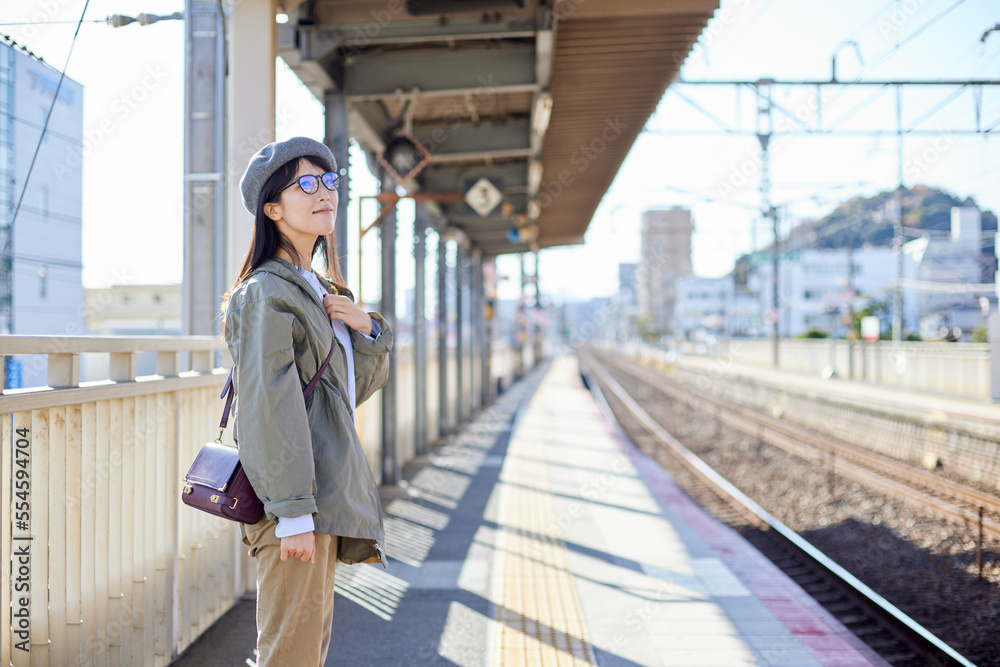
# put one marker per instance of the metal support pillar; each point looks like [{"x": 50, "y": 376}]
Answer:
[
  {"x": 520, "y": 331},
  {"x": 204, "y": 160},
  {"x": 765, "y": 128},
  {"x": 335, "y": 105},
  {"x": 475, "y": 344},
  {"x": 253, "y": 48},
  {"x": 993, "y": 336},
  {"x": 420, "y": 328},
  {"x": 460, "y": 278},
  {"x": 537, "y": 315},
  {"x": 387, "y": 231},
  {"x": 897, "y": 228},
  {"x": 442, "y": 326},
  {"x": 489, "y": 279}
]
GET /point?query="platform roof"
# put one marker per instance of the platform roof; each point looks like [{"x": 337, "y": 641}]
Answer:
[{"x": 473, "y": 81}]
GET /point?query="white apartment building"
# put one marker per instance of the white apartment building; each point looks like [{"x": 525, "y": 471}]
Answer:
[
  {"x": 815, "y": 286},
  {"x": 41, "y": 288},
  {"x": 814, "y": 290},
  {"x": 932, "y": 263},
  {"x": 702, "y": 305}
]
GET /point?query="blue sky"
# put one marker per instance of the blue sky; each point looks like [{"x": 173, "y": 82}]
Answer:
[{"x": 749, "y": 39}]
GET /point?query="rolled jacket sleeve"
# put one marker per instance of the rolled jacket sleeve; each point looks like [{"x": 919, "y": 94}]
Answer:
[{"x": 271, "y": 423}]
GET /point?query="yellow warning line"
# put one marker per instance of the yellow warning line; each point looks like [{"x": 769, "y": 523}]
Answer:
[{"x": 537, "y": 612}]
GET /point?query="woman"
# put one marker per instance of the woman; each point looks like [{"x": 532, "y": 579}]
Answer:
[{"x": 302, "y": 455}]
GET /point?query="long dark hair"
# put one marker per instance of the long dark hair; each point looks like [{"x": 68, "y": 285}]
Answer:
[{"x": 266, "y": 239}]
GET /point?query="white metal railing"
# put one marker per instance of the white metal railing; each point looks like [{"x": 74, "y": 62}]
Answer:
[
  {"x": 955, "y": 369},
  {"x": 108, "y": 566}
]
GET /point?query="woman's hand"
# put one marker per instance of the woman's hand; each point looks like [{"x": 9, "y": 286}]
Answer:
[
  {"x": 348, "y": 312},
  {"x": 301, "y": 546}
]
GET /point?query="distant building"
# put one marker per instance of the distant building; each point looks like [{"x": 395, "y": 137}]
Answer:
[
  {"x": 814, "y": 288},
  {"x": 935, "y": 261},
  {"x": 41, "y": 286},
  {"x": 701, "y": 305},
  {"x": 665, "y": 256},
  {"x": 628, "y": 301},
  {"x": 590, "y": 321},
  {"x": 134, "y": 310}
]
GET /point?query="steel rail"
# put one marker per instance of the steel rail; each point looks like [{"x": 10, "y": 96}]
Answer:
[
  {"x": 922, "y": 640},
  {"x": 851, "y": 460}
]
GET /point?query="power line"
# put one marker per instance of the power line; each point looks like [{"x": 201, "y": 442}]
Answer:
[
  {"x": 52, "y": 22},
  {"x": 48, "y": 261},
  {"x": 871, "y": 20},
  {"x": 909, "y": 38},
  {"x": 55, "y": 97}
]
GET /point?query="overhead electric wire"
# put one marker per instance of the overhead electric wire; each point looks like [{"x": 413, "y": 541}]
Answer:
[
  {"x": 48, "y": 116},
  {"x": 52, "y": 22},
  {"x": 871, "y": 20},
  {"x": 937, "y": 107},
  {"x": 872, "y": 64},
  {"x": 868, "y": 100},
  {"x": 704, "y": 111}
]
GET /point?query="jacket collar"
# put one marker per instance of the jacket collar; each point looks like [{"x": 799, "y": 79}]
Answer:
[{"x": 289, "y": 272}]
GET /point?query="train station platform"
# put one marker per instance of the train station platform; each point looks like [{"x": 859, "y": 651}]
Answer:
[{"x": 540, "y": 536}]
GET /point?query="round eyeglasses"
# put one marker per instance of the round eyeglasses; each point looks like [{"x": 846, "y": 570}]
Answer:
[{"x": 310, "y": 183}]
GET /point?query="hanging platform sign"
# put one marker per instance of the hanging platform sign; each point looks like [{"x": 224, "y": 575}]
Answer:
[{"x": 483, "y": 197}]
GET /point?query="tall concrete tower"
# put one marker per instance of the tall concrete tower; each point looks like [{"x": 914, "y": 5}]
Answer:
[{"x": 665, "y": 256}]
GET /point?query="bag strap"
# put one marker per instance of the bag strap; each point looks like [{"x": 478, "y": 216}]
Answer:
[{"x": 229, "y": 391}]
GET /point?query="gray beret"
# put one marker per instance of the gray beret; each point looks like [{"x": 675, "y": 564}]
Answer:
[{"x": 270, "y": 158}]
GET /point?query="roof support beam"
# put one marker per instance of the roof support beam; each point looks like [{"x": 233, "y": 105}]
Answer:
[{"x": 478, "y": 69}]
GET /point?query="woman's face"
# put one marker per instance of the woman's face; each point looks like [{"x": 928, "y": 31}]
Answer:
[{"x": 303, "y": 217}]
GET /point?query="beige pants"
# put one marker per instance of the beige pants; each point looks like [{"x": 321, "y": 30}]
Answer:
[{"x": 294, "y": 600}]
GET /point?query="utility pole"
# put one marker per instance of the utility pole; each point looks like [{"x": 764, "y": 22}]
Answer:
[
  {"x": 897, "y": 227},
  {"x": 765, "y": 127},
  {"x": 538, "y": 315},
  {"x": 850, "y": 310},
  {"x": 204, "y": 159}
]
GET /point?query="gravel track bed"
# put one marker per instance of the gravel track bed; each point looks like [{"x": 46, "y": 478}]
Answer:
[{"x": 924, "y": 565}]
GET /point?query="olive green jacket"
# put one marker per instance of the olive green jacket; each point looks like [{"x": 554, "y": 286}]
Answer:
[{"x": 304, "y": 456}]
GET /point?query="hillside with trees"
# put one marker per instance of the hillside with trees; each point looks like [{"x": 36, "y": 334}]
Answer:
[{"x": 863, "y": 221}]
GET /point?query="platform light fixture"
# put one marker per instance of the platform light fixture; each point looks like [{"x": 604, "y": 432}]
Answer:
[
  {"x": 543, "y": 112},
  {"x": 404, "y": 157},
  {"x": 534, "y": 177}
]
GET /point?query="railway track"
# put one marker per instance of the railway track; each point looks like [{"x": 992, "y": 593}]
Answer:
[
  {"x": 894, "y": 635},
  {"x": 925, "y": 490}
]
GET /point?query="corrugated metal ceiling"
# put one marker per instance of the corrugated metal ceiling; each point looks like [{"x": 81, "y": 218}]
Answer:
[{"x": 468, "y": 84}]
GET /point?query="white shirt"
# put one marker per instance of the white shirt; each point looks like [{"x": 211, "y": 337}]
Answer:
[{"x": 305, "y": 524}]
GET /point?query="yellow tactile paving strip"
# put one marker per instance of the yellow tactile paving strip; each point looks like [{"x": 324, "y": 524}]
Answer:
[{"x": 538, "y": 617}]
